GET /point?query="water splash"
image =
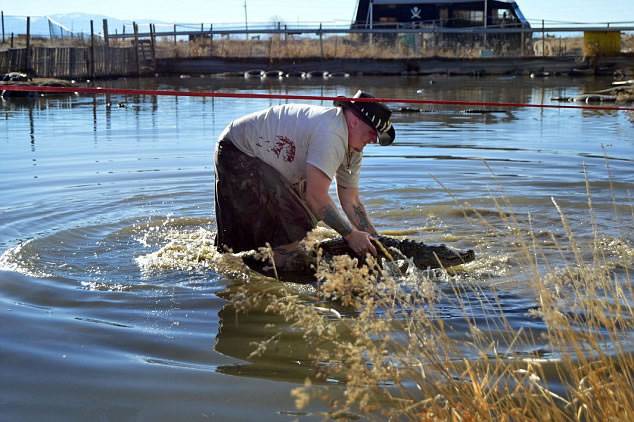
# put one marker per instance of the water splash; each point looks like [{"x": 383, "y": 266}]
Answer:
[
  {"x": 187, "y": 250},
  {"x": 21, "y": 259}
]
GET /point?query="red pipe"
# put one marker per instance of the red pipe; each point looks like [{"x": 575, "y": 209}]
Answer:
[{"x": 171, "y": 92}]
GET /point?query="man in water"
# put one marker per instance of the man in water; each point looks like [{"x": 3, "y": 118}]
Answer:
[{"x": 274, "y": 168}]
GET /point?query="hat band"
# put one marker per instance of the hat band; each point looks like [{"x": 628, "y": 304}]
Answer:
[{"x": 380, "y": 126}]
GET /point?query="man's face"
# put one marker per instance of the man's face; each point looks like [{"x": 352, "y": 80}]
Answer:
[{"x": 361, "y": 135}]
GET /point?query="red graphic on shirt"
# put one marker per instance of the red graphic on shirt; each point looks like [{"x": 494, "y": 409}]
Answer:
[{"x": 285, "y": 145}]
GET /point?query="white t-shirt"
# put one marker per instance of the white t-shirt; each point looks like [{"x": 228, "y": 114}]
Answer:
[{"x": 287, "y": 137}]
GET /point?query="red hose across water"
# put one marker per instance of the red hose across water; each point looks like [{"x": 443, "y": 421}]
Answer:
[{"x": 218, "y": 94}]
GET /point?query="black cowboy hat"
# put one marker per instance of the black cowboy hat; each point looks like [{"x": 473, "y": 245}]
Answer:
[{"x": 375, "y": 114}]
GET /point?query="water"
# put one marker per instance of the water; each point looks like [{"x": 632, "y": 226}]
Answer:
[{"x": 113, "y": 302}]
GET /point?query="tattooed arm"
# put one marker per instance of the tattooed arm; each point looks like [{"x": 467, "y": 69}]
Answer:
[
  {"x": 320, "y": 203},
  {"x": 352, "y": 205}
]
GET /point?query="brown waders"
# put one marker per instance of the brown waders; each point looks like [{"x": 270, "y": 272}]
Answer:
[{"x": 255, "y": 205}]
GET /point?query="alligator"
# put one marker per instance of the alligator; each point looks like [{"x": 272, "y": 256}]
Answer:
[{"x": 422, "y": 255}]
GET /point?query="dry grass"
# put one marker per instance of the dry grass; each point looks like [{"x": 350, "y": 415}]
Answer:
[
  {"x": 353, "y": 46},
  {"x": 397, "y": 355},
  {"x": 332, "y": 47},
  {"x": 399, "y": 47},
  {"x": 627, "y": 44}
]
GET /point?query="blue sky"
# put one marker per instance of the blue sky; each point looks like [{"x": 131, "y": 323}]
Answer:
[{"x": 292, "y": 11}]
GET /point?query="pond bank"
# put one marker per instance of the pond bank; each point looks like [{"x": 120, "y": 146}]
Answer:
[{"x": 539, "y": 66}]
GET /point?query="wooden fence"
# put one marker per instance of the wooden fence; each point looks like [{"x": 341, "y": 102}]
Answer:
[{"x": 70, "y": 62}]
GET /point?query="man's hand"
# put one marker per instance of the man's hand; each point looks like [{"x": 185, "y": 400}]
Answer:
[{"x": 360, "y": 242}]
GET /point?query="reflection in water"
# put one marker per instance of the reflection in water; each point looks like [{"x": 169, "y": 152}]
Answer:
[
  {"x": 108, "y": 104},
  {"x": 286, "y": 359},
  {"x": 31, "y": 129},
  {"x": 110, "y": 319}
]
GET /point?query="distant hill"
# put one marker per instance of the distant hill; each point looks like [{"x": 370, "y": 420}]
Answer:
[{"x": 74, "y": 22}]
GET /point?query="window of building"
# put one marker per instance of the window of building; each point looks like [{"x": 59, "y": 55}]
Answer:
[{"x": 474, "y": 17}]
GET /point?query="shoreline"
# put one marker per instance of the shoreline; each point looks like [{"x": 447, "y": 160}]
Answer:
[{"x": 538, "y": 66}]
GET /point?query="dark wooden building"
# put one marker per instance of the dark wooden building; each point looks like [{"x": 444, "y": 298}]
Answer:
[
  {"x": 442, "y": 13},
  {"x": 448, "y": 14}
]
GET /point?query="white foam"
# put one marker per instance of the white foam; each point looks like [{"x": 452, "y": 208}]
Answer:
[
  {"x": 15, "y": 259},
  {"x": 185, "y": 251}
]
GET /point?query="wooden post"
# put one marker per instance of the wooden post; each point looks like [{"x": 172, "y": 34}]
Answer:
[
  {"x": 543, "y": 40},
  {"x": 92, "y": 51},
  {"x": 174, "y": 34},
  {"x": 12, "y": 40},
  {"x": 136, "y": 47},
  {"x": 105, "y": 33},
  {"x": 371, "y": 22},
  {"x": 321, "y": 41},
  {"x": 435, "y": 40},
  {"x": 486, "y": 21},
  {"x": 211, "y": 40},
  {"x": 153, "y": 45},
  {"x": 27, "y": 63},
  {"x": 2, "y": 12},
  {"x": 271, "y": 49},
  {"x": 71, "y": 62}
]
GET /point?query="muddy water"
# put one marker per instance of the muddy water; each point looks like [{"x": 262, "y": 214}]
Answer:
[{"x": 112, "y": 300}]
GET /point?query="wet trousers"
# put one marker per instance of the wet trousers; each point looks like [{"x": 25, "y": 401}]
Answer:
[{"x": 255, "y": 205}]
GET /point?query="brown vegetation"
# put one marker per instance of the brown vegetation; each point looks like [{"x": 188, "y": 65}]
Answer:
[
  {"x": 627, "y": 44},
  {"x": 398, "y": 357},
  {"x": 278, "y": 47},
  {"x": 352, "y": 46}
]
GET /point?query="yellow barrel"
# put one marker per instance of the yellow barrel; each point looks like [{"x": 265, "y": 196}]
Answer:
[{"x": 601, "y": 43}]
